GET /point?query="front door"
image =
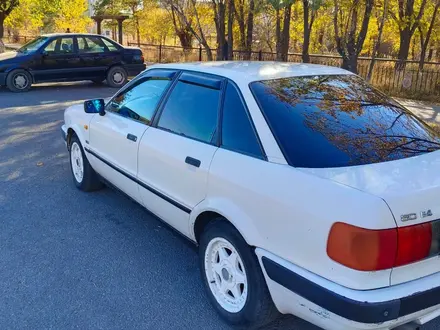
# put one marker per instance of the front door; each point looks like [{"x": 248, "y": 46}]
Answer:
[
  {"x": 175, "y": 155},
  {"x": 59, "y": 61},
  {"x": 114, "y": 138}
]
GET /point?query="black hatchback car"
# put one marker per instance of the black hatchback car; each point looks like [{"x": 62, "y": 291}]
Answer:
[{"x": 69, "y": 57}]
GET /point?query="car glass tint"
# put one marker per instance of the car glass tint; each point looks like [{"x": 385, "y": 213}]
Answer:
[
  {"x": 140, "y": 102},
  {"x": 50, "y": 48},
  {"x": 90, "y": 45},
  {"x": 191, "y": 111},
  {"x": 33, "y": 45},
  {"x": 110, "y": 46},
  {"x": 237, "y": 131},
  {"x": 65, "y": 47},
  {"x": 339, "y": 120}
]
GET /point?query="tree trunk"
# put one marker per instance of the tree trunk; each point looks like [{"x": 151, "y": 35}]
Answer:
[
  {"x": 231, "y": 11},
  {"x": 350, "y": 63},
  {"x": 278, "y": 35},
  {"x": 425, "y": 43},
  {"x": 219, "y": 18},
  {"x": 306, "y": 42},
  {"x": 378, "y": 41},
  {"x": 405, "y": 43},
  {"x": 286, "y": 33},
  {"x": 250, "y": 29},
  {"x": 241, "y": 25},
  {"x": 2, "y": 20}
]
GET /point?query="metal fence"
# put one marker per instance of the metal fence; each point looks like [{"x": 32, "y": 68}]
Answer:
[
  {"x": 13, "y": 39},
  {"x": 409, "y": 82}
]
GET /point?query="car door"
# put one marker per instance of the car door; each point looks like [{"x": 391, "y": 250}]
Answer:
[
  {"x": 114, "y": 138},
  {"x": 59, "y": 61},
  {"x": 93, "y": 56},
  {"x": 176, "y": 152}
]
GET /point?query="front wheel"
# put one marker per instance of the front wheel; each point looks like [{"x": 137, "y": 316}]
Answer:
[
  {"x": 233, "y": 278},
  {"x": 19, "y": 81},
  {"x": 84, "y": 176},
  {"x": 117, "y": 77}
]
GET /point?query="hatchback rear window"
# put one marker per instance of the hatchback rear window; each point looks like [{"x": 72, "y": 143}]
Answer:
[{"x": 339, "y": 120}]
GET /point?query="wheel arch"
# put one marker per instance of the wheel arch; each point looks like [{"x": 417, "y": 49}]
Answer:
[{"x": 208, "y": 211}]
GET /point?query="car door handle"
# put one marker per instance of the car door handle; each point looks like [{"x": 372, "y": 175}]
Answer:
[
  {"x": 192, "y": 161},
  {"x": 132, "y": 137}
]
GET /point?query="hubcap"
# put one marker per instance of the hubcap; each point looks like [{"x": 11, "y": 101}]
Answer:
[
  {"x": 226, "y": 275},
  {"x": 118, "y": 77},
  {"x": 20, "y": 81},
  {"x": 76, "y": 160}
]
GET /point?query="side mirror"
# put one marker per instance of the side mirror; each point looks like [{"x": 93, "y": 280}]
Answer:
[{"x": 95, "y": 106}]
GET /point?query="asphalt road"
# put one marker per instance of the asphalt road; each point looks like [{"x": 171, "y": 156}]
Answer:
[{"x": 74, "y": 260}]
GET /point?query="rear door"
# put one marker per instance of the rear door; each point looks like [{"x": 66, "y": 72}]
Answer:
[
  {"x": 115, "y": 137},
  {"x": 94, "y": 55},
  {"x": 59, "y": 61},
  {"x": 176, "y": 153}
]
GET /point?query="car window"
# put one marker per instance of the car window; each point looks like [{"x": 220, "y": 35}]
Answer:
[
  {"x": 110, "y": 46},
  {"x": 140, "y": 102},
  {"x": 91, "y": 45},
  {"x": 238, "y": 133},
  {"x": 60, "y": 46},
  {"x": 339, "y": 120},
  {"x": 66, "y": 46},
  {"x": 191, "y": 111},
  {"x": 50, "y": 48}
]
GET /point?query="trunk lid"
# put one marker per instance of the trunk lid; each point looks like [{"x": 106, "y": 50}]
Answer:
[{"x": 410, "y": 187}]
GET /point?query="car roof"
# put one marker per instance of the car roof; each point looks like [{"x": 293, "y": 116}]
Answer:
[
  {"x": 51, "y": 35},
  {"x": 248, "y": 71}
]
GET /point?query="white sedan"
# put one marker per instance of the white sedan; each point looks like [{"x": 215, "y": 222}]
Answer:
[{"x": 308, "y": 192}]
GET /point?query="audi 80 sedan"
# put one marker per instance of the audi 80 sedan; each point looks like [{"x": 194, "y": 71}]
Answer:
[
  {"x": 69, "y": 57},
  {"x": 307, "y": 191}
]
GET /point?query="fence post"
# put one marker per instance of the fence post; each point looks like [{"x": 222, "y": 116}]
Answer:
[
  {"x": 200, "y": 53},
  {"x": 260, "y": 55},
  {"x": 160, "y": 53}
]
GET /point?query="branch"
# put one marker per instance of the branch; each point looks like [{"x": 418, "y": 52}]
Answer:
[{"x": 364, "y": 29}]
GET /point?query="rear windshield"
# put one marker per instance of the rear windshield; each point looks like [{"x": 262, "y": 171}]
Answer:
[{"x": 339, "y": 120}]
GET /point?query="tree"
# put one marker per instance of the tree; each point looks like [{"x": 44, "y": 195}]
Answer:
[
  {"x": 231, "y": 12},
  {"x": 219, "y": 8},
  {"x": 283, "y": 11},
  {"x": 310, "y": 8},
  {"x": 378, "y": 41},
  {"x": 424, "y": 40},
  {"x": 408, "y": 20},
  {"x": 350, "y": 41},
  {"x": 70, "y": 15},
  {"x": 6, "y": 8}
]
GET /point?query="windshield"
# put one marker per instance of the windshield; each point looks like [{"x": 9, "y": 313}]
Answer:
[
  {"x": 339, "y": 120},
  {"x": 33, "y": 45}
]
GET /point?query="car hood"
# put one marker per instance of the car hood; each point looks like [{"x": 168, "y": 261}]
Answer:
[
  {"x": 11, "y": 57},
  {"x": 408, "y": 186}
]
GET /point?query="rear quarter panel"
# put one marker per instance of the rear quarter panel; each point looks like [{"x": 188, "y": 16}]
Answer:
[{"x": 289, "y": 213}]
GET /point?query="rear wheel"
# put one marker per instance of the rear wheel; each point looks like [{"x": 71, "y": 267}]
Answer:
[
  {"x": 117, "y": 77},
  {"x": 19, "y": 81},
  {"x": 84, "y": 176},
  {"x": 233, "y": 279}
]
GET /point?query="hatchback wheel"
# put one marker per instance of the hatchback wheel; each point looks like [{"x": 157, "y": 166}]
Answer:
[
  {"x": 117, "y": 77},
  {"x": 19, "y": 81},
  {"x": 233, "y": 278},
  {"x": 84, "y": 177}
]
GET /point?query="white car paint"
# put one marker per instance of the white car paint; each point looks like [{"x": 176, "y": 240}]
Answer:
[{"x": 285, "y": 212}]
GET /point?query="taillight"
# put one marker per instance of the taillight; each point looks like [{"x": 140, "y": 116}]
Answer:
[{"x": 370, "y": 250}]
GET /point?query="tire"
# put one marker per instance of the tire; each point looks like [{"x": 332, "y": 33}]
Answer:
[
  {"x": 117, "y": 77},
  {"x": 254, "y": 307},
  {"x": 19, "y": 80},
  {"x": 84, "y": 176}
]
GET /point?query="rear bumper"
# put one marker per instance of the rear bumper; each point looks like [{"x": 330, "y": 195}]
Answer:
[
  {"x": 334, "y": 307},
  {"x": 2, "y": 79},
  {"x": 134, "y": 69}
]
